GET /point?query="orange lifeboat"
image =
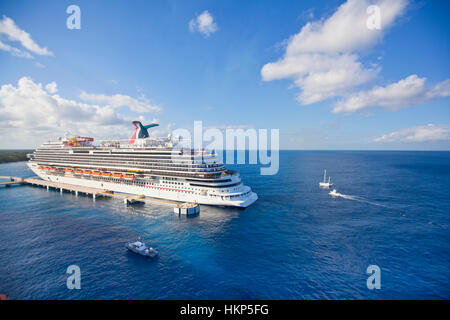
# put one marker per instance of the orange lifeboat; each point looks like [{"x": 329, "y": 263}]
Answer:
[
  {"x": 129, "y": 176},
  {"x": 52, "y": 169},
  {"x": 87, "y": 172},
  {"x": 68, "y": 170},
  {"x": 117, "y": 175},
  {"x": 96, "y": 173},
  {"x": 106, "y": 174},
  {"x": 78, "y": 171}
]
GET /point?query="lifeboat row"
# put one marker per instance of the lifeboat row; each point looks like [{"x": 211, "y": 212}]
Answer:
[
  {"x": 47, "y": 168},
  {"x": 106, "y": 174},
  {"x": 92, "y": 173}
]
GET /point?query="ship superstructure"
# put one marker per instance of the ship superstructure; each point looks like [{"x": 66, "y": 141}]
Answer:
[{"x": 147, "y": 166}]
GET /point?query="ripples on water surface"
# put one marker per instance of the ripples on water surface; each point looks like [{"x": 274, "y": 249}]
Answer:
[{"x": 295, "y": 242}]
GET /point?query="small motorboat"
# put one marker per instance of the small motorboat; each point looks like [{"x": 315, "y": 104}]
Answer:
[
  {"x": 334, "y": 193},
  {"x": 140, "y": 248},
  {"x": 324, "y": 183}
]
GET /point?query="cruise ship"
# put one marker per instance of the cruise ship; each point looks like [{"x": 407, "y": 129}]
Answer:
[{"x": 142, "y": 165}]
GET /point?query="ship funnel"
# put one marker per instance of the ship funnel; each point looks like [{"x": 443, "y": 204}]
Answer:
[{"x": 141, "y": 131}]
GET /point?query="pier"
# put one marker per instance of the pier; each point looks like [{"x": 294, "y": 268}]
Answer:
[
  {"x": 94, "y": 192},
  {"x": 12, "y": 180}
]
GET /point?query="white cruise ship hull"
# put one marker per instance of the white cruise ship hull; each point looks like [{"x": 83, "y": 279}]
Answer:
[
  {"x": 145, "y": 166},
  {"x": 161, "y": 192}
]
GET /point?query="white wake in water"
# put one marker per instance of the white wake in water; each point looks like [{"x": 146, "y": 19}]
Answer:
[{"x": 336, "y": 194}]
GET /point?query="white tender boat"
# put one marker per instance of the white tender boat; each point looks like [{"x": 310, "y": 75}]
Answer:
[
  {"x": 140, "y": 248},
  {"x": 334, "y": 193},
  {"x": 324, "y": 183}
]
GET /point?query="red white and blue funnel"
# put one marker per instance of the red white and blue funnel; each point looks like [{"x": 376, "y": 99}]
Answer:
[{"x": 141, "y": 131}]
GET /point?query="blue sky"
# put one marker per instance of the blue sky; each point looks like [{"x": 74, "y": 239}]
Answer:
[{"x": 166, "y": 71}]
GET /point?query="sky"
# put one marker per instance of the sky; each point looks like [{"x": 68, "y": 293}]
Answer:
[{"x": 327, "y": 74}]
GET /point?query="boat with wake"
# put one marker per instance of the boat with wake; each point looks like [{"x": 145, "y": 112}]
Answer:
[{"x": 334, "y": 193}]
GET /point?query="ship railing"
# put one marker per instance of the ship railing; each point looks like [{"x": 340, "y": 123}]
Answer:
[
  {"x": 137, "y": 143},
  {"x": 144, "y": 164},
  {"x": 153, "y": 142}
]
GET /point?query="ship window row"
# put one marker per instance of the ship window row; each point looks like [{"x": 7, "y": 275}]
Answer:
[
  {"x": 218, "y": 181},
  {"x": 234, "y": 196},
  {"x": 147, "y": 183},
  {"x": 132, "y": 164},
  {"x": 143, "y": 183},
  {"x": 116, "y": 155},
  {"x": 83, "y": 150},
  {"x": 147, "y": 160},
  {"x": 143, "y": 160},
  {"x": 221, "y": 186},
  {"x": 157, "y": 185},
  {"x": 134, "y": 157},
  {"x": 119, "y": 156},
  {"x": 171, "y": 163},
  {"x": 124, "y": 154}
]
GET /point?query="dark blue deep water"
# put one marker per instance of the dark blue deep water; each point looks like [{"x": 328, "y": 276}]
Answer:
[{"x": 295, "y": 242}]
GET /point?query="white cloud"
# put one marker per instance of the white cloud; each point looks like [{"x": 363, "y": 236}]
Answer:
[
  {"x": 52, "y": 87},
  {"x": 203, "y": 23},
  {"x": 29, "y": 115},
  {"x": 141, "y": 104},
  {"x": 322, "y": 58},
  {"x": 431, "y": 132},
  {"x": 406, "y": 92},
  {"x": 12, "y": 32},
  {"x": 15, "y": 51},
  {"x": 321, "y": 76},
  {"x": 346, "y": 30}
]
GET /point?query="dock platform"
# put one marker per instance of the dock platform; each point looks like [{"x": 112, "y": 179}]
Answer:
[
  {"x": 188, "y": 208},
  {"x": 12, "y": 180},
  {"x": 94, "y": 192}
]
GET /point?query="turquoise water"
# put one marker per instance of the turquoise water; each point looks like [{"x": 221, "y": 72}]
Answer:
[{"x": 295, "y": 242}]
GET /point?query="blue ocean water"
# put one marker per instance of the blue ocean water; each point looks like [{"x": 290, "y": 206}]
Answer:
[{"x": 295, "y": 242}]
